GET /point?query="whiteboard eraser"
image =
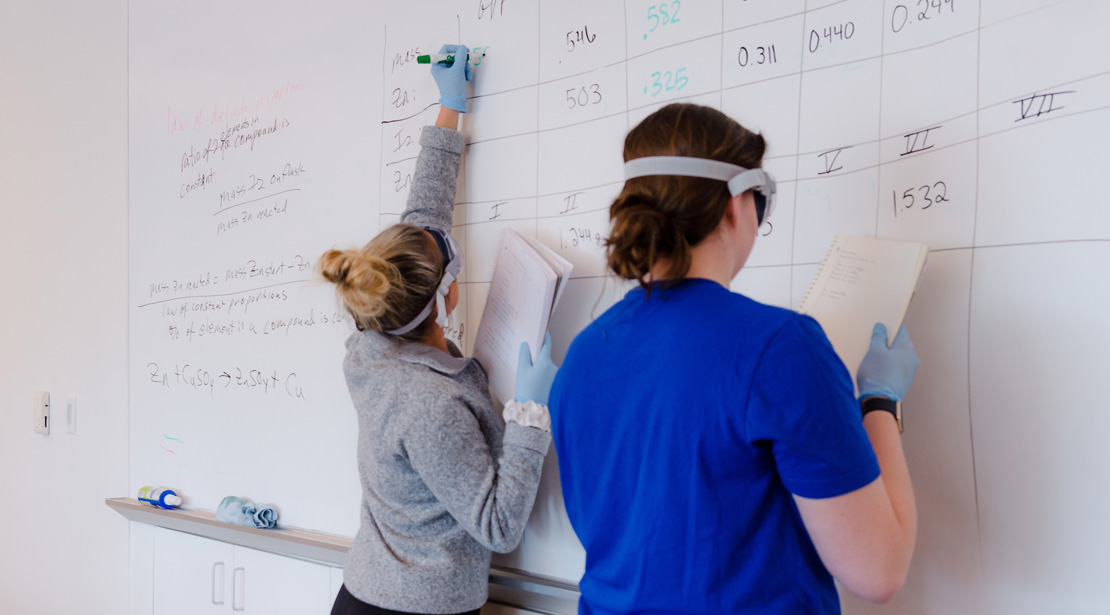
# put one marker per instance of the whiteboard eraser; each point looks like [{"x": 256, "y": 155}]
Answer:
[{"x": 41, "y": 412}]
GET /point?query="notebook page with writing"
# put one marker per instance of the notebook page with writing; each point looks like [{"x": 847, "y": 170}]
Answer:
[
  {"x": 517, "y": 310},
  {"x": 863, "y": 281}
]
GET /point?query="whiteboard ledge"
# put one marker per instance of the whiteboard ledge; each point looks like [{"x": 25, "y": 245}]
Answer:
[
  {"x": 301, "y": 544},
  {"x": 509, "y": 587}
]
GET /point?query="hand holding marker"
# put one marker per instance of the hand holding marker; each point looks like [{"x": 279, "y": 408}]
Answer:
[
  {"x": 451, "y": 78},
  {"x": 447, "y": 58}
]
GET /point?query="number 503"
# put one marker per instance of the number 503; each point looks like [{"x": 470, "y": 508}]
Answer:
[{"x": 586, "y": 95}]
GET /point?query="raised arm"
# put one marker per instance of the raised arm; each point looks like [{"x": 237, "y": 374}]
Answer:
[
  {"x": 431, "y": 199},
  {"x": 866, "y": 538}
]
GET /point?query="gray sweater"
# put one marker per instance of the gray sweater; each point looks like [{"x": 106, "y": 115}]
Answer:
[{"x": 444, "y": 480}]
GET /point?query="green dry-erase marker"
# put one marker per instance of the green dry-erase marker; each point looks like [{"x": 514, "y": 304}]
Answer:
[{"x": 440, "y": 58}]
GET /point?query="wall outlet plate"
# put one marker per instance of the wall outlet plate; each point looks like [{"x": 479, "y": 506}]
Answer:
[
  {"x": 71, "y": 414},
  {"x": 40, "y": 409}
]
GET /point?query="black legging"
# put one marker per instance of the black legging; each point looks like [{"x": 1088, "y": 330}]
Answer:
[{"x": 346, "y": 604}]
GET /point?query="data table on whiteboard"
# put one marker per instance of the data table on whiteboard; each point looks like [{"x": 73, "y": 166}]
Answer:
[
  {"x": 903, "y": 120},
  {"x": 974, "y": 126}
]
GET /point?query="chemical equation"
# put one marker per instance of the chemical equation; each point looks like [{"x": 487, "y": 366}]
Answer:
[{"x": 197, "y": 378}]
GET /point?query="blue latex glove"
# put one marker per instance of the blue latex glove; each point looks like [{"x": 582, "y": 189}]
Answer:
[
  {"x": 887, "y": 371},
  {"x": 452, "y": 79},
  {"x": 534, "y": 380}
]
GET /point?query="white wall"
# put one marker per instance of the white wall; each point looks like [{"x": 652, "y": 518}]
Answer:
[{"x": 63, "y": 324}]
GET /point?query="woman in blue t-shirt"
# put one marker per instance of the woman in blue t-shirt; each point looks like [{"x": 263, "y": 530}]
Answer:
[{"x": 711, "y": 448}]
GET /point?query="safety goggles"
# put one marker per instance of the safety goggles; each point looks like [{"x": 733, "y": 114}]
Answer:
[
  {"x": 452, "y": 265},
  {"x": 739, "y": 179}
]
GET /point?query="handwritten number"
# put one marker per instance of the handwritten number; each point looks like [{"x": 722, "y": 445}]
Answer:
[
  {"x": 894, "y": 22},
  {"x": 586, "y": 95},
  {"x": 659, "y": 15},
  {"x": 930, "y": 194},
  {"x": 942, "y": 197}
]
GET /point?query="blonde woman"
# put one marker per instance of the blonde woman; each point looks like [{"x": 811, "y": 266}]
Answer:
[{"x": 445, "y": 480}]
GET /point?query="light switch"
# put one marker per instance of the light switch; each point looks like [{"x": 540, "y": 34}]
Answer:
[
  {"x": 71, "y": 414},
  {"x": 40, "y": 410}
]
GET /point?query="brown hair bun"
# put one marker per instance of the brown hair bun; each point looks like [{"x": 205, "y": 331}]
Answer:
[{"x": 660, "y": 218}]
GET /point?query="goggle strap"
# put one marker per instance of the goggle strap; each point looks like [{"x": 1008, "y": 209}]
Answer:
[
  {"x": 416, "y": 321},
  {"x": 441, "y": 312},
  {"x": 685, "y": 166},
  {"x": 739, "y": 179},
  {"x": 438, "y": 301}
]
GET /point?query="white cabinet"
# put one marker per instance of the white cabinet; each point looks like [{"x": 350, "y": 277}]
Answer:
[
  {"x": 197, "y": 576},
  {"x": 191, "y": 574},
  {"x": 267, "y": 584}
]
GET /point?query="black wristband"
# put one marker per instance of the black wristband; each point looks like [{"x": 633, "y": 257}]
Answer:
[{"x": 885, "y": 404}]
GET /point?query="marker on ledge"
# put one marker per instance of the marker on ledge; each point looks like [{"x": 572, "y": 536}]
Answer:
[{"x": 442, "y": 58}]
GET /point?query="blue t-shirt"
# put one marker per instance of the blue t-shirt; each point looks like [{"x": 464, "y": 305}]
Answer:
[{"x": 683, "y": 423}]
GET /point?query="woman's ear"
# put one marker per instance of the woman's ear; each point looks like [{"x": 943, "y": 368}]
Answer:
[{"x": 733, "y": 211}]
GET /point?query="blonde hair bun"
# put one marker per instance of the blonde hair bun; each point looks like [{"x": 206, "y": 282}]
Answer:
[{"x": 388, "y": 282}]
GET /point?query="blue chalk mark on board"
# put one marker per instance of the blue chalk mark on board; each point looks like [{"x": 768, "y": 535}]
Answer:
[{"x": 174, "y": 439}]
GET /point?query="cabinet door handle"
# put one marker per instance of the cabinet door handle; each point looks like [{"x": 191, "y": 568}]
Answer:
[
  {"x": 236, "y": 589},
  {"x": 220, "y": 566}
]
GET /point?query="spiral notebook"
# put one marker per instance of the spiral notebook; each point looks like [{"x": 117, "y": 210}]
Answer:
[
  {"x": 528, "y": 280},
  {"x": 863, "y": 281}
]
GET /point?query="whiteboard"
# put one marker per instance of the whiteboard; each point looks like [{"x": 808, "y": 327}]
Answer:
[{"x": 972, "y": 126}]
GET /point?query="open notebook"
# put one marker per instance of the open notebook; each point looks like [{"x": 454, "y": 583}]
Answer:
[
  {"x": 863, "y": 281},
  {"x": 528, "y": 280}
]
